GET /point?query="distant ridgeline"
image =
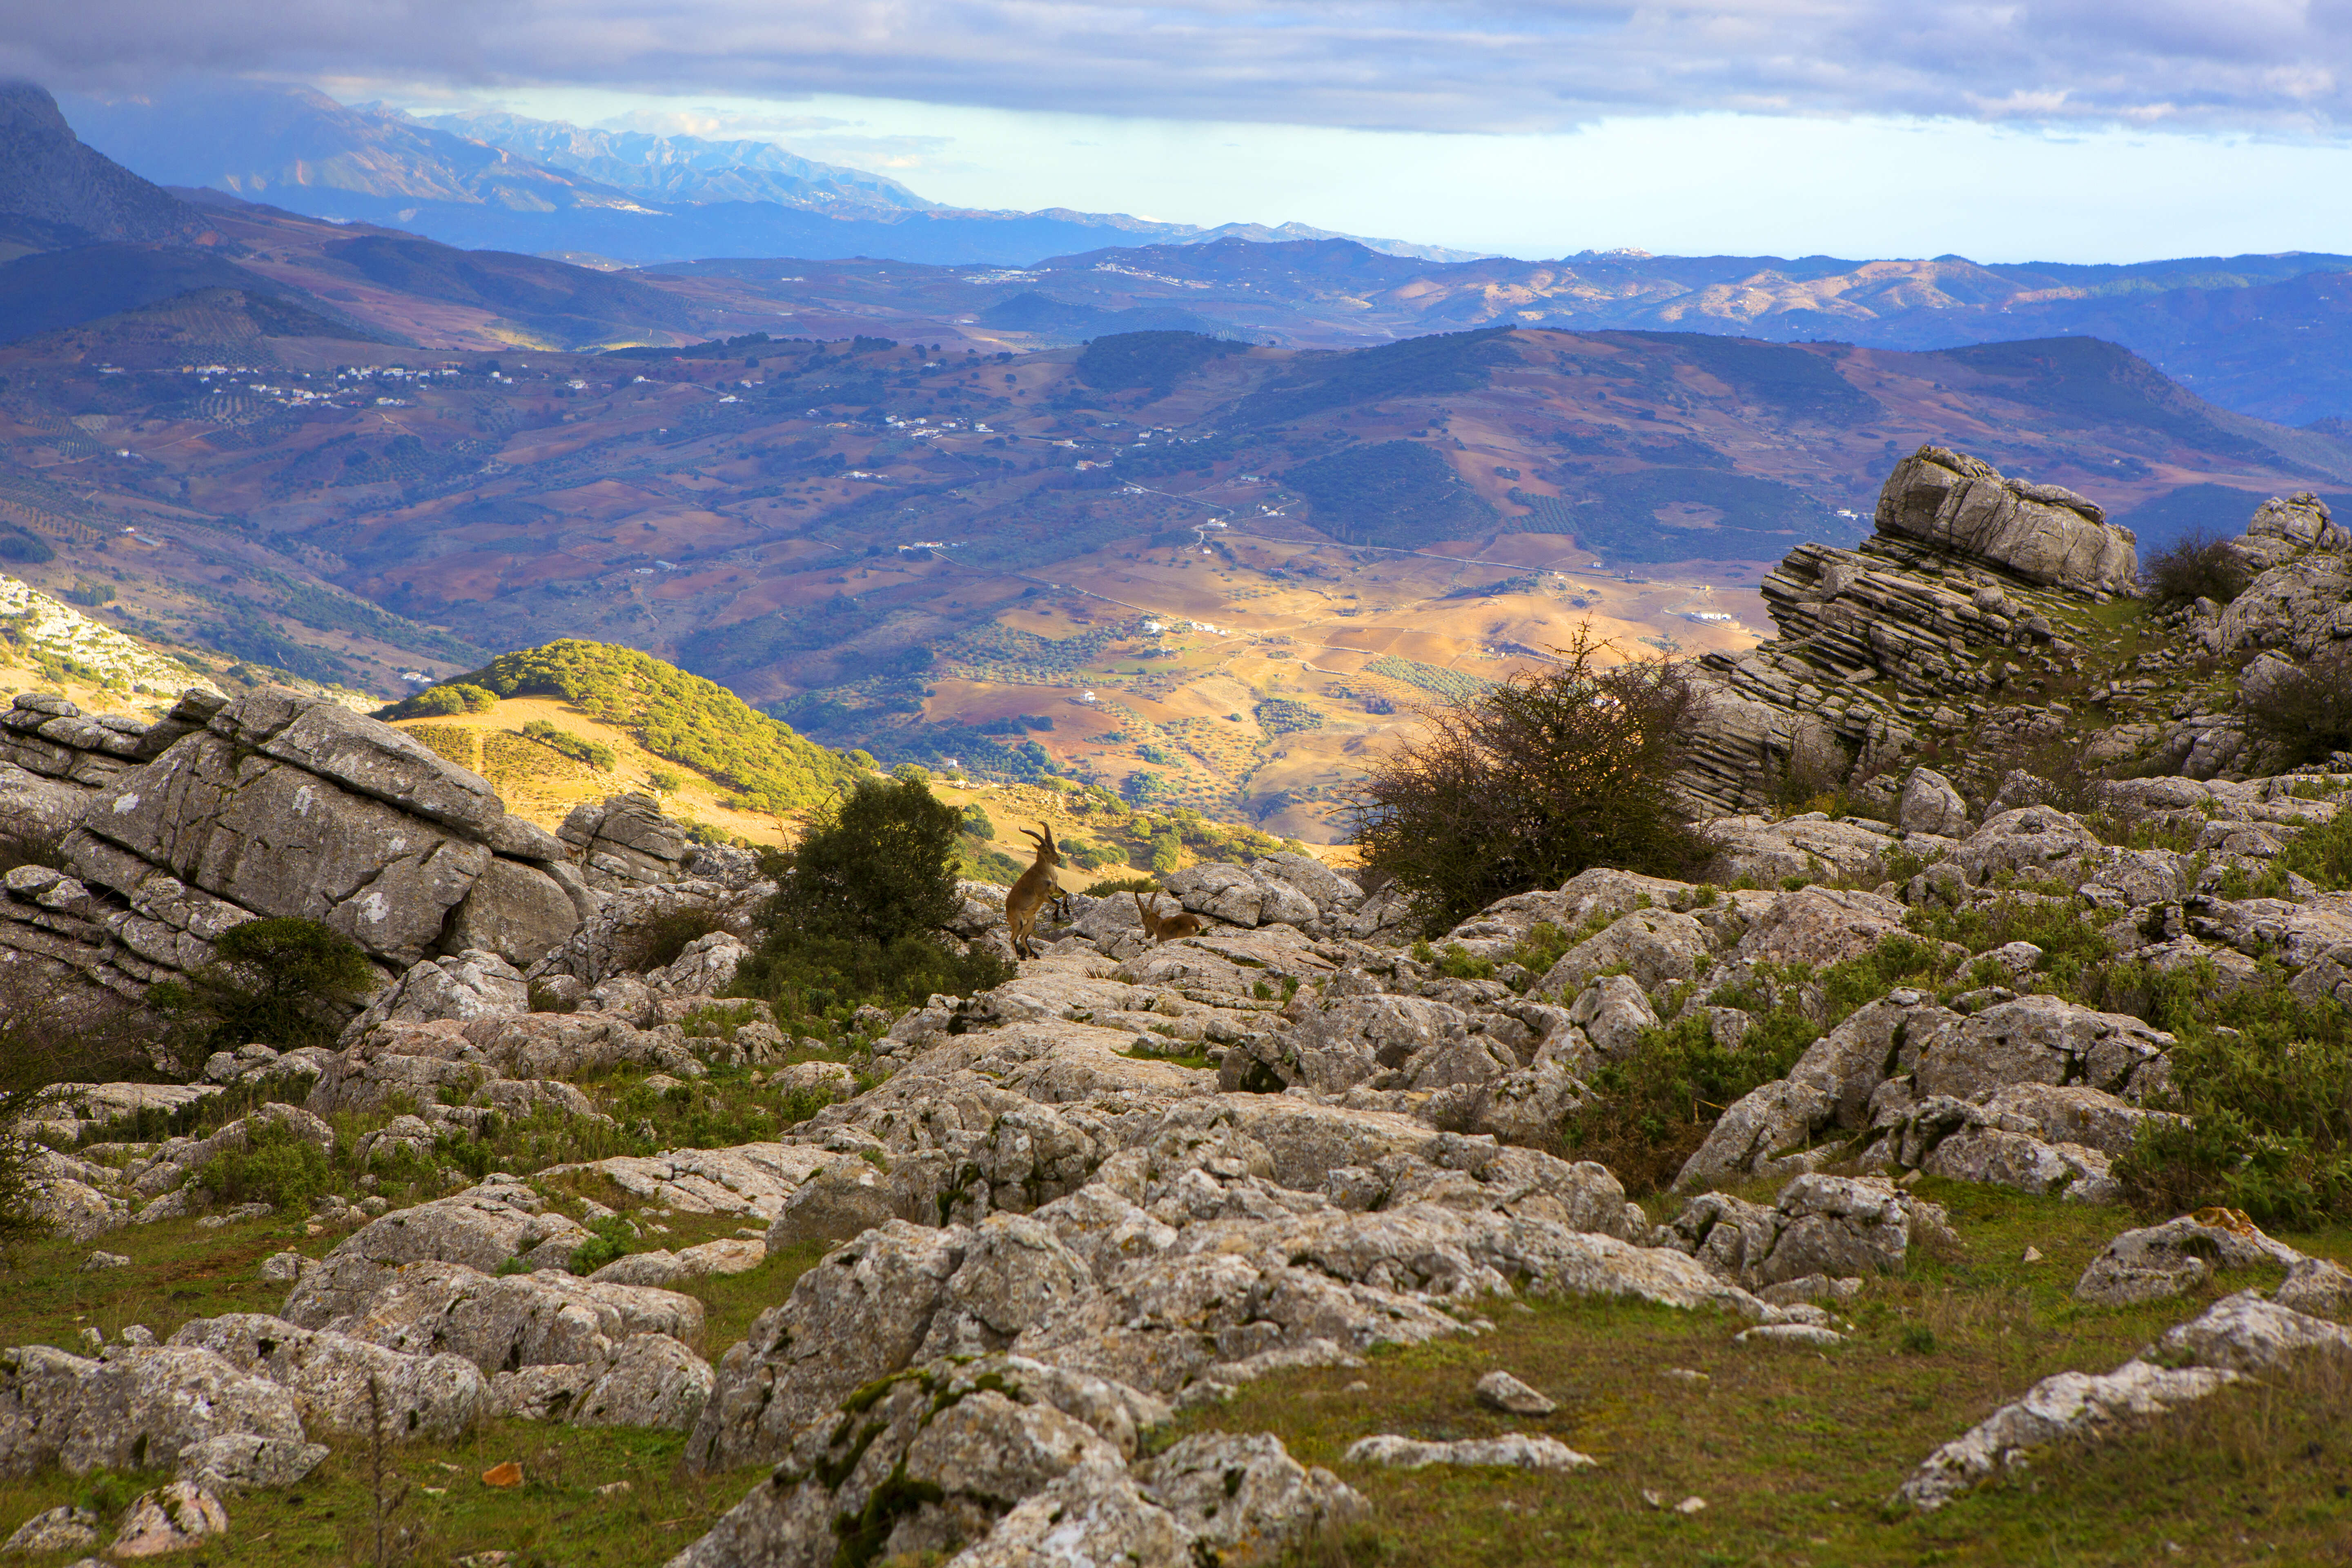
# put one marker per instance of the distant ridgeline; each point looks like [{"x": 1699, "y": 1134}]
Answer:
[{"x": 679, "y": 716}]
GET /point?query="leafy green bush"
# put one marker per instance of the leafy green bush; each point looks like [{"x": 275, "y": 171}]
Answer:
[
  {"x": 860, "y": 905},
  {"x": 2070, "y": 945},
  {"x": 609, "y": 1239},
  {"x": 276, "y": 1166},
  {"x": 2323, "y": 853},
  {"x": 2266, "y": 1082},
  {"x": 1651, "y": 1110},
  {"x": 286, "y": 983},
  {"x": 878, "y": 867},
  {"x": 1527, "y": 784},
  {"x": 1104, "y": 887}
]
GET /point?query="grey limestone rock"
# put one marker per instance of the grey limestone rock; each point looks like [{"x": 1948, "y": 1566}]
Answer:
[
  {"x": 2158, "y": 1261},
  {"x": 1655, "y": 945},
  {"x": 481, "y": 1228},
  {"x": 2046, "y": 536},
  {"x": 1612, "y": 1013},
  {"x": 139, "y": 1405},
  {"x": 1243, "y": 1499},
  {"x": 1498, "y": 1389},
  {"x": 66, "y": 1528},
  {"x": 173, "y": 1518},
  {"x": 504, "y": 1321},
  {"x": 2038, "y": 1040},
  {"x": 1930, "y": 804},
  {"x": 624, "y": 841},
  {"x": 341, "y": 1383},
  {"x": 241, "y": 1462},
  {"x": 652, "y": 1381}
]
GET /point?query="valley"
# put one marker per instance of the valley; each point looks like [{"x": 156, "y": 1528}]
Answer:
[{"x": 1202, "y": 574}]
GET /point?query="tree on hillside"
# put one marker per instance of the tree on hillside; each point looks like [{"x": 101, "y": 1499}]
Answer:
[{"x": 1525, "y": 784}]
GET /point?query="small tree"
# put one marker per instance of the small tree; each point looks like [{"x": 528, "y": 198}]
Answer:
[
  {"x": 1525, "y": 784},
  {"x": 860, "y": 905},
  {"x": 882, "y": 866},
  {"x": 286, "y": 983}
]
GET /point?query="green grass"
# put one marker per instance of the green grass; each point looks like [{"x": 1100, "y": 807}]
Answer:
[
  {"x": 556, "y": 1516},
  {"x": 1795, "y": 1451}
]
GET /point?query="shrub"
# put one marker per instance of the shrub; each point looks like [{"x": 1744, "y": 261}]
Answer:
[
  {"x": 879, "y": 867},
  {"x": 1526, "y": 784},
  {"x": 2323, "y": 854},
  {"x": 2266, "y": 1082},
  {"x": 2198, "y": 565},
  {"x": 2306, "y": 715},
  {"x": 1104, "y": 887},
  {"x": 276, "y": 1166},
  {"x": 609, "y": 1239},
  {"x": 860, "y": 903},
  {"x": 1651, "y": 1109},
  {"x": 286, "y": 983}
]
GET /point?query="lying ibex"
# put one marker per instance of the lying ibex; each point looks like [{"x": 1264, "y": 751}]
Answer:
[
  {"x": 1160, "y": 927},
  {"x": 1028, "y": 897}
]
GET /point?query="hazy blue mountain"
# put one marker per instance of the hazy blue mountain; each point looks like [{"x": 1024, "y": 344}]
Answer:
[{"x": 683, "y": 168}]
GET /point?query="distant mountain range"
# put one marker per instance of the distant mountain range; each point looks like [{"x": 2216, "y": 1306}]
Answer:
[{"x": 503, "y": 182}]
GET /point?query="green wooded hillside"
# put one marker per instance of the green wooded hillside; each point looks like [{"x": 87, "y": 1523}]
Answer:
[{"x": 676, "y": 716}]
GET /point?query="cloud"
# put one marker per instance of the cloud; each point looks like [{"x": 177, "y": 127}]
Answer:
[{"x": 2278, "y": 66}]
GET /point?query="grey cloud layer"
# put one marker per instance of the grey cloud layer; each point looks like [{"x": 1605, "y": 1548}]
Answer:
[{"x": 2279, "y": 65}]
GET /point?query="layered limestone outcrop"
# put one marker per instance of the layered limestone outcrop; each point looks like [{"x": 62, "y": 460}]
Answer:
[
  {"x": 1971, "y": 586},
  {"x": 275, "y": 803}
]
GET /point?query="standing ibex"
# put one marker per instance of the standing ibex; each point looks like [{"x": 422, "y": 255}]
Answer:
[
  {"x": 1028, "y": 897},
  {"x": 1160, "y": 927}
]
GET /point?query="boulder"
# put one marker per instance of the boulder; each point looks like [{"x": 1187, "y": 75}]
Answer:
[
  {"x": 1654, "y": 946},
  {"x": 1930, "y": 804},
  {"x": 1513, "y": 1450},
  {"x": 343, "y": 1383},
  {"x": 1243, "y": 1499},
  {"x": 2048, "y": 536},
  {"x": 651, "y": 1381},
  {"x": 174, "y": 1517},
  {"x": 241, "y": 1462},
  {"x": 140, "y": 1405},
  {"x": 2069, "y": 1404},
  {"x": 1612, "y": 1013},
  {"x": 501, "y": 1322},
  {"x": 2038, "y": 1040},
  {"x": 481, "y": 1227},
  {"x": 624, "y": 841},
  {"x": 64, "y": 1528},
  {"x": 288, "y": 805},
  {"x": 2153, "y": 1262}
]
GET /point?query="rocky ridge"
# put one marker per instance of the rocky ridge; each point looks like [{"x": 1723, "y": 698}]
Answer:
[{"x": 1979, "y": 620}]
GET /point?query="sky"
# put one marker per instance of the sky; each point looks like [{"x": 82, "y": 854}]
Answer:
[{"x": 2003, "y": 129}]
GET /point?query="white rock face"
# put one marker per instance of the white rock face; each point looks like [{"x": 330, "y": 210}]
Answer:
[{"x": 1513, "y": 1450}]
